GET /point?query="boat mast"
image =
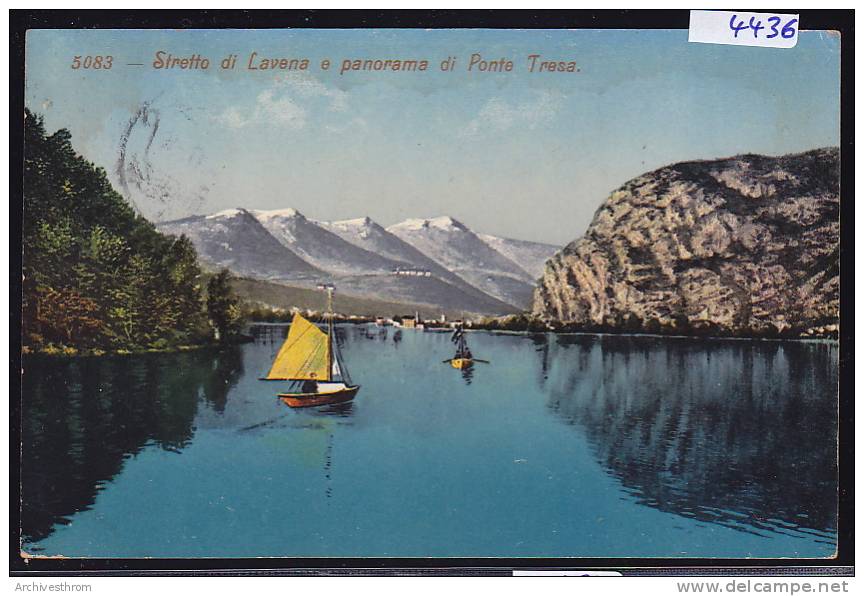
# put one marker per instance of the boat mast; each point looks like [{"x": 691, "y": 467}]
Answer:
[
  {"x": 333, "y": 353},
  {"x": 329, "y": 317},
  {"x": 329, "y": 329}
]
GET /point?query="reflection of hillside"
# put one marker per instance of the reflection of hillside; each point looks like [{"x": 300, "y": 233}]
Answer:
[
  {"x": 741, "y": 434},
  {"x": 83, "y": 418},
  {"x": 227, "y": 368}
]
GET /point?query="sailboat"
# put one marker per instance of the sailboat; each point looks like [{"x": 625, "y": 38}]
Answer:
[{"x": 311, "y": 361}]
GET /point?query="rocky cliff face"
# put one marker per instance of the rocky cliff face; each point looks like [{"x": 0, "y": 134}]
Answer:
[{"x": 743, "y": 246}]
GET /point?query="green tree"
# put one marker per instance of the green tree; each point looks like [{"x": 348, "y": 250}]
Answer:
[
  {"x": 96, "y": 274},
  {"x": 223, "y": 307}
]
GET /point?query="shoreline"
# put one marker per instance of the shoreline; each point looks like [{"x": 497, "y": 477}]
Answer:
[
  {"x": 72, "y": 352},
  {"x": 474, "y": 329},
  {"x": 834, "y": 340}
]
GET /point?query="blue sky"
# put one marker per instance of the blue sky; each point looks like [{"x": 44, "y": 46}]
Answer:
[{"x": 519, "y": 154}]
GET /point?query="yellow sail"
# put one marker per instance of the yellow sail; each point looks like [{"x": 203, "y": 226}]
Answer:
[{"x": 305, "y": 355}]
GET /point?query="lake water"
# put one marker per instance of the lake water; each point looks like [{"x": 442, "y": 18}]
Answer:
[{"x": 580, "y": 445}]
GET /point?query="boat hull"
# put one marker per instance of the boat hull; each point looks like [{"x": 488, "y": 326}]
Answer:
[
  {"x": 461, "y": 363},
  {"x": 308, "y": 400}
]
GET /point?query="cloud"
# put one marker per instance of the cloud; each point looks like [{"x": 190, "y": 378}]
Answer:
[
  {"x": 281, "y": 110},
  {"x": 269, "y": 108},
  {"x": 304, "y": 85},
  {"x": 232, "y": 117},
  {"x": 287, "y": 103},
  {"x": 354, "y": 124},
  {"x": 498, "y": 115}
]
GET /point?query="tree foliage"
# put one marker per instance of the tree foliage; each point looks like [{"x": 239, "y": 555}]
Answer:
[
  {"x": 96, "y": 274},
  {"x": 223, "y": 307}
]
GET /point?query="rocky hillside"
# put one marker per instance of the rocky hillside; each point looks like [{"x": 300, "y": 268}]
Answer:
[{"x": 742, "y": 246}]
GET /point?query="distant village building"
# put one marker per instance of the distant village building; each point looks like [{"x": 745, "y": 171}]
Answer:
[
  {"x": 409, "y": 322},
  {"x": 412, "y": 272}
]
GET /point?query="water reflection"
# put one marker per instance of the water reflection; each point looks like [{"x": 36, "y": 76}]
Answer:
[
  {"x": 467, "y": 374},
  {"x": 226, "y": 368},
  {"x": 324, "y": 420},
  {"x": 344, "y": 410},
  {"x": 738, "y": 434},
  {"x": 365, "y": 332},
  {"x": 315, "y": 418},
  {"x": 82, "y": 418},
  {"x": 541, "y": 346},
  {"x": 741, "y": 434},
  {"x": 273, "y": 333}
]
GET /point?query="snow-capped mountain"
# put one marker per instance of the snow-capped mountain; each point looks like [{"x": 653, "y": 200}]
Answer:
[
  {"x": 437, "y": 261},
  {"x": 367, "y": 234},
  {"x": 319, "y": 246},
  {"x": 235, "y": 239},
  {"x": 371, "y": 236},
  {"x": 530, "y": 256},
  {"x": 457, "y": 248}
]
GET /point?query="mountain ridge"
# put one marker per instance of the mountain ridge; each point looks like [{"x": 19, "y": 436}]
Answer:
[
  {"x": 367, "y": 258},
  {"x": 236, "y": 240},
  {"x": 318, "y": 246},
  {"x": 459, "y": 249}
]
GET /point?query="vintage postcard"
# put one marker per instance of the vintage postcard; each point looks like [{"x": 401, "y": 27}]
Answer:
[{"x": 448, "y": 293}]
